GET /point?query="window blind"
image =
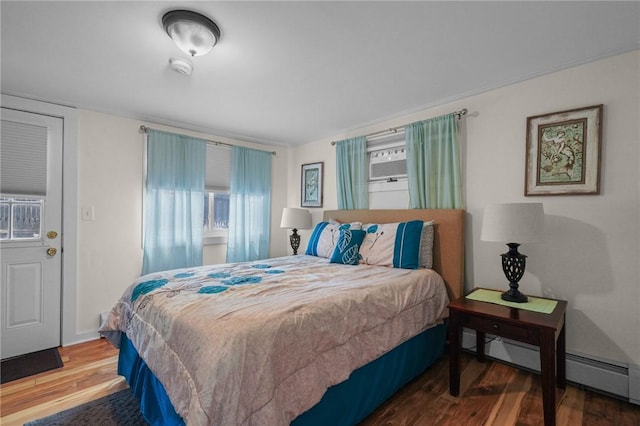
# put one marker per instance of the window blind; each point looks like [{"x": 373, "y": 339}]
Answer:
[
  {"x": 218, "y": 170},
  {"x": 23, "y": 158}
]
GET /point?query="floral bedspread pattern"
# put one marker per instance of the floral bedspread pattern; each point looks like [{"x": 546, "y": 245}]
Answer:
[{"x": 259, "y": 343}]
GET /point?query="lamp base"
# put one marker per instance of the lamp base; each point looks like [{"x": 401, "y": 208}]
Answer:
[
  {"x": 513, "y": 295},
  {"x": 294, "y": 239},
  {"x": 513, "y": 264}
]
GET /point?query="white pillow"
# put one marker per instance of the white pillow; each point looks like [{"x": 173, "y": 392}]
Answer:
[{"x": 392, "y": 244}]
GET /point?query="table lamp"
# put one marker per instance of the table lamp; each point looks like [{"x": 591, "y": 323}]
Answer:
[
  {"x": 513, "y": 224},
  {"x": 295, "y": 219}
]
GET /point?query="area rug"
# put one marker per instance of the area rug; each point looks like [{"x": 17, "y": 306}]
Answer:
[
  {"x": 27, "y": 365},
  {"x": 120, "y": 408}
]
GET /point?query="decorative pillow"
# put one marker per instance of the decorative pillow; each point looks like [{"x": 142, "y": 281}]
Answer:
[
  {"x": 352, "y": 225},
  {"x": 392, "y": 244},
  {"x": 324, "y": 237},
  {"x": 426, "y": 245},
  {"x": 347, "y": 249}
]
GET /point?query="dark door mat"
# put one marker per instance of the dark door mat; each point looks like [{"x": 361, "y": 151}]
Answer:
[{"x": 27, "y": 365}]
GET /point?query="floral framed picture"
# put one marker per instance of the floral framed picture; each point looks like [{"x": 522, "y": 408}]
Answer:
[
  {"x": 563, "y": 152},
  {"x": 312, "y": 185}
]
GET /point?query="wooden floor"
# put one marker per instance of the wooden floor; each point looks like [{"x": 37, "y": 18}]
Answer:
[
  {"x": 492, "y": 394},
  {"x": 89, "y": 372}
]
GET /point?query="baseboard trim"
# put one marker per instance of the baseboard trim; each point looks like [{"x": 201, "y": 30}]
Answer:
[
  {"x": 82, "y": 338},
  {"x": 622, "y": 381}
]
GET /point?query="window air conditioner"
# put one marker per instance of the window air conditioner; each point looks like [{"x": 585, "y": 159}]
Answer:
[{"x": 388, "y": 164}]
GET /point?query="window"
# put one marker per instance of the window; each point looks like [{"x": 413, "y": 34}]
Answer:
[
  {"x": 393, "y": 191},
  {"x": 216, "y": 213},
  {"x": 20, "y": 218},
  {"x": 216, "y": 195}
]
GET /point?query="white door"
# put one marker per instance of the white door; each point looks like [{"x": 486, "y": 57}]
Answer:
[{"x": 30, "y": 231}]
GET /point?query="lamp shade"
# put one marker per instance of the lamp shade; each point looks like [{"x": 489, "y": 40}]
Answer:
[
  {"x": 295, "y": 218},
  {"x": 513, "y": 223},
  {"x": 192, "y": 32}
]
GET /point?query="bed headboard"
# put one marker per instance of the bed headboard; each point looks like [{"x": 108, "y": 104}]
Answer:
[{"x": 448, "y": 244}]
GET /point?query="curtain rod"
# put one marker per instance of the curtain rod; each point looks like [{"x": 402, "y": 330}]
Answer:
[
  {"x": 393, "y": 130},
  {"x": 144, "y": 129}
]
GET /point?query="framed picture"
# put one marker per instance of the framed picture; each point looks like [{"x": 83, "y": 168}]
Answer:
[
  {"x": 312, "y": 185},
  {"x": 563, "y": 152}
]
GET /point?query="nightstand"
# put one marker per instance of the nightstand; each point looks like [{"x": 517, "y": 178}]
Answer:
[{"x": 546, "y": 331}]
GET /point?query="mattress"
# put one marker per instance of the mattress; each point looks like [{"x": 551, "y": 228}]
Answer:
[{"x": 260, "y": 343}]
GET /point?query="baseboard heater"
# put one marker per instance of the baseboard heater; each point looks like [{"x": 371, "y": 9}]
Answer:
[{"x": 621, "y": 381}]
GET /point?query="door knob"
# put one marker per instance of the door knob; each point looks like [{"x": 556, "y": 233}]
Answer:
[{"x": 51, "y": 251}]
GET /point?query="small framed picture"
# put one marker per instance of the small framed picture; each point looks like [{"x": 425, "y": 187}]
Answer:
[
  {"x": 312, "y": 185},
  {"x": 563, "y": 152}
]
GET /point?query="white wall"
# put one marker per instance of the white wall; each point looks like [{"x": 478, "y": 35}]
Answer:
[
  {"x": 110, "y": 182},
  {"x": 590, "y": 257}
]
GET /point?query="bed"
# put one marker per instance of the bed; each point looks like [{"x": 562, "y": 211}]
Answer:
[{"x": 293, "y": 340}]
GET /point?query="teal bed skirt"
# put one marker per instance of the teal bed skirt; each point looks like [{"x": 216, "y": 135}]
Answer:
[{"x": 346, "y": 403}]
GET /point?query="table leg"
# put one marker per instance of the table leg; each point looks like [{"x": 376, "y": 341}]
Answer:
[
  {"x": 547, "y": 369},
  {"x": 480, "y": 337},
  {"x": 455, "y": 335},
  {"x": 561, "y": 369}
]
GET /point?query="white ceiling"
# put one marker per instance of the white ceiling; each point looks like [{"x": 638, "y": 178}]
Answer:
[{"x": 287, "y": 73}]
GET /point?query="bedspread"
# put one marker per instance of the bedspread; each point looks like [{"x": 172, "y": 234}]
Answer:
[{"x": 259, "y": 343}]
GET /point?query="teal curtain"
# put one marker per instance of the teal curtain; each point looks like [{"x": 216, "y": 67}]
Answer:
[
  {"x": 352, "y": 174},
  {"x": 174, "y": 202},
  {"x": 250, "y": 205},
  {"x": 433, "y": 164}
]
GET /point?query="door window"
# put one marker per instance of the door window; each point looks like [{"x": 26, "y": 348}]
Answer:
[{"x": 20, "y": 218}]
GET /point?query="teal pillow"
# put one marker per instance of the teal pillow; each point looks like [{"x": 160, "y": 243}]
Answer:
[
  {"x": 312, "y": 246},
  {"x": 347, "y": 249},
  {"x": 325, "y": 236},
  {"x": 406, "y": 252}
]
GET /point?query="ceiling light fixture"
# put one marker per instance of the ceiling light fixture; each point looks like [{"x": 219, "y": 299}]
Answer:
[{"x": 192, "y": 32}]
